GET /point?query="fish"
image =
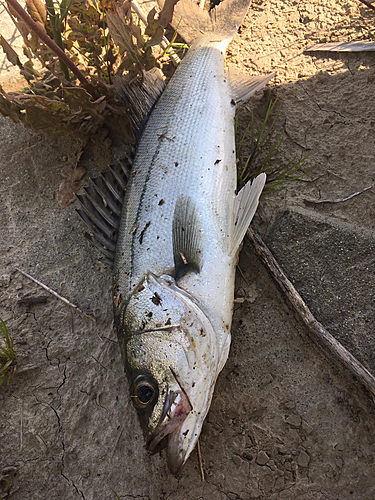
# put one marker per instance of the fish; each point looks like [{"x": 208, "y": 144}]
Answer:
[{"x": 178, "y": 230}]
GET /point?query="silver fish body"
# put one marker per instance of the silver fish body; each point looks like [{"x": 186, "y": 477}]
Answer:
[{"x": 180, "y": 231}]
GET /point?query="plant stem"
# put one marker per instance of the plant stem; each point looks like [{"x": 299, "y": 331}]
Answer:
[
  {"x": 47, "y": 40},
  {"x": 57, "y": 34}
]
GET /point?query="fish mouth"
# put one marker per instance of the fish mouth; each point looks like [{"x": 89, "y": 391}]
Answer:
[{"x": 168, "y": 433}]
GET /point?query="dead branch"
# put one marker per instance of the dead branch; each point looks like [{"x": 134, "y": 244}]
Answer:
[
  {"x": 52, "y": 292},
  {"x": 47, "y": 40},
  {"x": 317, "y": 332},
  {"x": 368, "y": 4},
  {"x": 338, "y": 200}
]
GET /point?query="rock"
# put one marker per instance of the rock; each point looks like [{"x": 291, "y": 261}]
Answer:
[
  {"x": 303, "y": 459},
  {"x": 293, "y": 420},
  {"x": 262, "y": 458}
]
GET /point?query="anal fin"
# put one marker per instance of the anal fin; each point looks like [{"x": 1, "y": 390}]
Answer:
[
  {"x": 245, "y": 205},
  {"x": 243, "y": 86},
  {"x": 186, "y": 234}
]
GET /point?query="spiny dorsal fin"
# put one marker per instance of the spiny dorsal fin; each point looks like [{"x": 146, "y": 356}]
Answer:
[
  {"x": 245, "y": 205},
  {"x": 101, "y": 205},
  {"x": 139, "y": 95},
  {"x": 186, "y": 235},
  {"x": 243, "y": 86}
]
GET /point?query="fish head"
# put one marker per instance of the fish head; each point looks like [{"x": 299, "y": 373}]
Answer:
[{"x": 171, "y": 357}]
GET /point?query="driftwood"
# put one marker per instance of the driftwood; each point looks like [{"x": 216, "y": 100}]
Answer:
[
  {"x": 353, "y": 46},
  {"x": 317, "y": 332}
]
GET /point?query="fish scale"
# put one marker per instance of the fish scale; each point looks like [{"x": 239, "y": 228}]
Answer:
[{"x": 186, "y": 127}]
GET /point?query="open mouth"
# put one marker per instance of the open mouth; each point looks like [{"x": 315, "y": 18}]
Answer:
[{"x": 167, "y": 434}]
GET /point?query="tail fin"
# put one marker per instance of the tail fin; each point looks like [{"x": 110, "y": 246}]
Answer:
[{"x": 223, "y": 20}]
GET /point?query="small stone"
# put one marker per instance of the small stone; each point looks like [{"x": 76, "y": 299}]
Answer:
[
  {"x": 267, "y": 379},
  {"x": 272, "y": 467},
  {"x": 339, "y": 462},
  {"x": 303, "y": 459},
  {"x": 294, "y": 420},
  {"x": 307, "y": 427},
  {"x": 280, "y": 483},
  {"x": 290, "y": 405},
  {"x": 262, "y": 458},
  {"x": 339, "y": 446},
  {"x": 5, "y": 280},
  {"x": 237, "y": 460}
]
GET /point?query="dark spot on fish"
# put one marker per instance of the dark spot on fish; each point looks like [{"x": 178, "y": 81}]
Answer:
[
  {"x": 157, "y": 237},
  {"x": 185, "y": 433},
  {"x": 217, "y": 162},
  {"x": 143, "y": 232},
  {"x": 149, "y": 315},
  {"x": 141, "y": 288},
  {"x": 161, "y": 202},
  {"x": 193, "y": 384},
  {"x": 176, "y": 163},
  {"x": 202, "y": 332},
  {"x": 227, "y": 327},
  {"x": 168, "y": 322},
  {"x": 156, "y": 299},
  {"x": 233, "y": 102}
]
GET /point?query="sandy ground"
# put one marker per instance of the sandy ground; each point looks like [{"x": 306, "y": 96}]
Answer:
[{"x": 286, "y": 422}]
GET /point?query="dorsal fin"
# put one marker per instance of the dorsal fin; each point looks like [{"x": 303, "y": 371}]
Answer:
[
  {"x": 101, "y": 205},
  {"x": 186, "y": 232},
  {"x": 139, "y": 95}
]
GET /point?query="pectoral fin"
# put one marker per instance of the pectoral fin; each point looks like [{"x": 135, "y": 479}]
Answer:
[
  {"x": 186, "y": 229},
  {"x": 243, "y": 86},
  {"x": 245, "y": 205}
]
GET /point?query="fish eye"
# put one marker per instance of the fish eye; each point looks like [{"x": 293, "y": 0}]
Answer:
[{"x": 143, "y": 391}]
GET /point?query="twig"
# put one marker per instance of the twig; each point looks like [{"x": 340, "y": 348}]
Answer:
[
  {"x": 338, "y": 200},
  {"x": 57, "y": 295},
  {"x": 47, "y": 40},
  {"x": 165, "y": 42},
  {"x": 353, "y": 46},
  {"x": 200, "y": 461},
  {"x": 21, "y": 423},
  {"x": 368, "y": 4},
  {"x": 318, "y": 333}
]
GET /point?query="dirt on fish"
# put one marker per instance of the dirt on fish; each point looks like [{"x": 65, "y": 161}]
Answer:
[{"x": 286, "y": 421}]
